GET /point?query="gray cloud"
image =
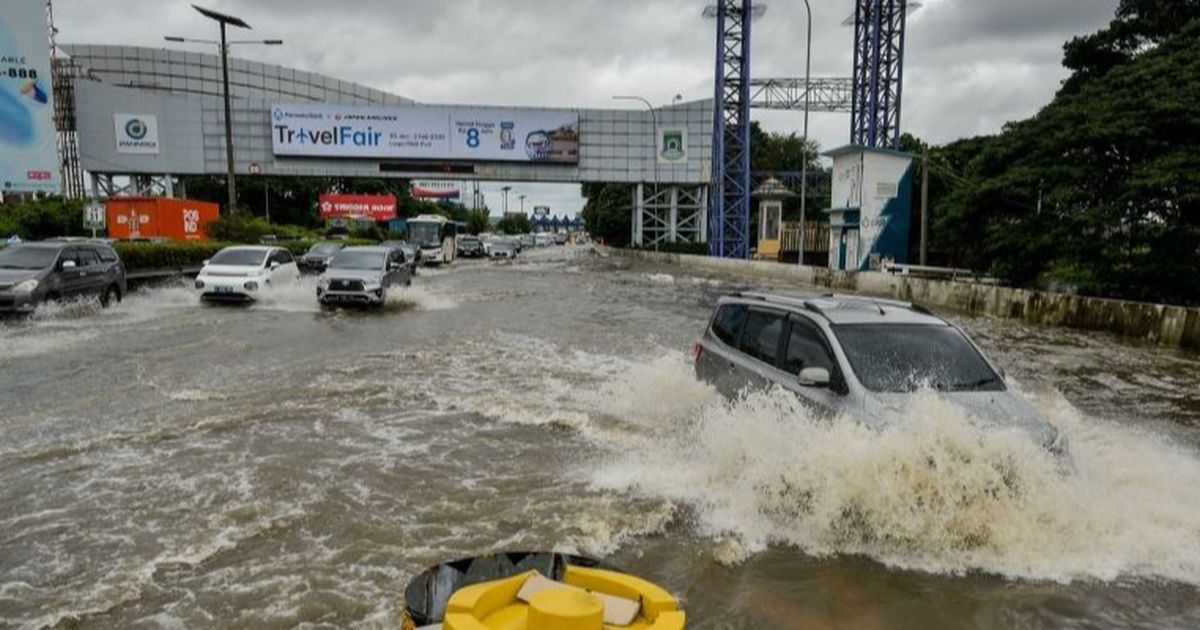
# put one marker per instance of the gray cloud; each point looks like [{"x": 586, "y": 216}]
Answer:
[{"x": 971, "y": 65}]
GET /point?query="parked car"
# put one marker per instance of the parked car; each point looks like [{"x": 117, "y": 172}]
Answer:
[
  {"x": 362, "y": 276},
  {"x": 317, "y": 257},
  {"x": 31, "y": 273},
  {"x": 503, "y": 249},
  {"x": 862, "y": 356},
  {"x": 412, "y": 253},
  {"x": 244, "y": 272},
  {"x": 470, "y": 247},
  {"x": 560, "y": 239},
  {"x": 528, "y": 241}
]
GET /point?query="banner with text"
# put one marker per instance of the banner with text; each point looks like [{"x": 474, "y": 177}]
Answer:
[
  {"x": 425, "y": 133},
  {"x": 28, "y": 142},
  {"x": 434, "y": 189},
  {"x": 377, "y": 207}
]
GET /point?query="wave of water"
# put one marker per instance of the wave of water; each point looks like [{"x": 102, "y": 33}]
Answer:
[{"x": 932, "y": 492}]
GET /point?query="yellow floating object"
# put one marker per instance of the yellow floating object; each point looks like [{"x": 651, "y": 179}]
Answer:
[{"x": 577, "y": 603}]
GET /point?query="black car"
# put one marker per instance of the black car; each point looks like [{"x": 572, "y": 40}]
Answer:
[
  {"x": 470, "y": 247},
  {"x": 317, "y": 258},
  {"x": 412, "y": 253},
  {"x": 31, "y": 273}
]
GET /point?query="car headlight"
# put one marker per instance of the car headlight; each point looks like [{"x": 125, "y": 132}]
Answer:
[
  {"x": 323, "y": 283},
  {"x": 199, "y": 283},
  {"x": 251, "y": 286},
  {"x": 371, "y": 285},
  {"x": 26, "y": 287}
]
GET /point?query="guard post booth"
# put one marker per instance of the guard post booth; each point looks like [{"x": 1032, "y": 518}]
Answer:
[
  {"x": 770, "y": 196},
  {"x": 871, "y": 208}
]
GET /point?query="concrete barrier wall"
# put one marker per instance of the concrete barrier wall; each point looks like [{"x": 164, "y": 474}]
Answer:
[{"x": 1159, "y": 323}]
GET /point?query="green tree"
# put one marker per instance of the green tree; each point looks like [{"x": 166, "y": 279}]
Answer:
[
  {"x": 515, "y": 224},
  {"x": 1099, "y": 190},
  {"x": 479, "y": 221},
  {"x": 45, "y": 217}
]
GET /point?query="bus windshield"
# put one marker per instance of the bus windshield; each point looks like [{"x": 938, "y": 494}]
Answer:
[{"x": 426, "y": 234}]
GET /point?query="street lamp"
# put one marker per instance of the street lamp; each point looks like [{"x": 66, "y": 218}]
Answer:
[
  {"x": 505, "y": 190},
  {"x": 804, "y": 154},
  {"x": 522, "y": 198},
  {"x": 653, "y": 145},
  {"x": 226, "y": 20}
]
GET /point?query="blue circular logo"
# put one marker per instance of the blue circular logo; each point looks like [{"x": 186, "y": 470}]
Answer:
[
  {"x": 135, "y": 128},
  {"x": 277, "y": 113}
]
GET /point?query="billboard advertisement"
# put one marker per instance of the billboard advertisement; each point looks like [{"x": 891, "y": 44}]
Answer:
[
  {"x": 377, "y": 207},
  {"x": 136, "y": 133},
  {"x": 28, "y": 143},
  {"x": 425, "y": 133},
  {"x": 433, "y": 189}
]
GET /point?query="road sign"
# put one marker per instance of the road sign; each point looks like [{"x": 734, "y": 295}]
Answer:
[{"x": 94, "y": 217}]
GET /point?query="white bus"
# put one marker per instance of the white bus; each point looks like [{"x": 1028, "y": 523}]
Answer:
[{"x": 435, "y": 235}]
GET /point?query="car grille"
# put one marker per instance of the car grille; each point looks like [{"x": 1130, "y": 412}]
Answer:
[
  {"x": 7, "y": 300},
  {"x": 4, "y": 286},
  {"x": 227, "y": 274},
  {"x": 345, "y": 285}
]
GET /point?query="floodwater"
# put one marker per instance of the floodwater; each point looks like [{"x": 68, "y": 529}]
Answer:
[{"x": 168, "y": 465}]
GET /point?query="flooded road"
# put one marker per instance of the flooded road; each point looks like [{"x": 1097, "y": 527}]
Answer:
[{"x": 169, "y": 465}]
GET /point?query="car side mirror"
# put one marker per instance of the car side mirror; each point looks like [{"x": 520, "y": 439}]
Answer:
[
  {"x": 67, "y": 264},
  {"x": 274, "y": 264},
  {"x": 204, "y": 263},
  {"x": 814, "y": 377}
]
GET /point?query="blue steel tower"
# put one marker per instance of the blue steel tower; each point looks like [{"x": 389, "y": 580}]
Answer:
[
  {"x": 878, "y": 72},
  {"x": 729, "y": 220}
]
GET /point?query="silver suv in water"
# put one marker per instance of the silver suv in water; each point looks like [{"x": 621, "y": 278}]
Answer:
[
  {"x": 857, "y": 355},
  {"x": 362, "y": 275}
]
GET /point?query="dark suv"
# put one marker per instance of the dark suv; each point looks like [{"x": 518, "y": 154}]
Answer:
[
  {"x": 31, "y": 273},
  {"x": 470, "y": 247}
]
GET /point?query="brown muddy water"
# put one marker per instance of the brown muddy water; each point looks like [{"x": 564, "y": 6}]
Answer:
[{"x": 168, "y": 465}]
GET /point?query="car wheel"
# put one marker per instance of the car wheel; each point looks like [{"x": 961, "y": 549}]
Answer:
[{"x": 111, "y": 293}]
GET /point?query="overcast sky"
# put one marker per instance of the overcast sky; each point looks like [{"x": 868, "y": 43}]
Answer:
[{"x": 970, "y": 66}]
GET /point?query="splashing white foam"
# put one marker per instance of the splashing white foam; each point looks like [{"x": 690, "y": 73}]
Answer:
[{"x": 932, "y": 492}]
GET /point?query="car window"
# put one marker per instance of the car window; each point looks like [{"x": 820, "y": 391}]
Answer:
[
  {"x": 397, "y": 257},
  {"x": 904, "y": 358},
  {"x": 284, "y": 257},
  {"x": 806, "y": 348},
  {"x": 88, "y": 258},
  {"x": 760, "y": 336},
  {"x": 107, "y": 255},
  {"x": 727, "y": 325},
  {"x": 71, "y": 254}
]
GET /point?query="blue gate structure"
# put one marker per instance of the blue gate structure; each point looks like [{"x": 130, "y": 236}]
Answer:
[
  {"x": 878, "y": 72},
  {"x": 729, "y": 220}
]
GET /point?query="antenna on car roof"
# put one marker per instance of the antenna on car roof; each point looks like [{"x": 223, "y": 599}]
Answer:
[{"x": 878, "y": 306}]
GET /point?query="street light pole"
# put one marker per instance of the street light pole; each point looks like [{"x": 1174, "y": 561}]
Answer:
[
  {"x": 224, "y": 20},
  {"x": 653, "y": 144},
  {"x": 229, "y": 177},
  {"x": 522, "y": 198},
  {"x": 505, "y": 191},
  {"x": 804, "y": 166}
]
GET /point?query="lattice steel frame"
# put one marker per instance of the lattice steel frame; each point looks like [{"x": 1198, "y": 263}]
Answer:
[
  {"x": 672, "y": 214},
  {"x": 729, "y": 220},
  {"x": 878, "y": 72},
  {"x": 829, "y": 94}
]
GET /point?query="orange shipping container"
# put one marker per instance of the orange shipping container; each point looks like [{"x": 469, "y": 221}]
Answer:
[{"x": 157, "y": 217}]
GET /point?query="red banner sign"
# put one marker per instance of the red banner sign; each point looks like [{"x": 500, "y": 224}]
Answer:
[{"x": 377, "y": 207}]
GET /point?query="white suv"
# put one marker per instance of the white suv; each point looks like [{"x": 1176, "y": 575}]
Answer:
[{"x": 241, "y": 274}]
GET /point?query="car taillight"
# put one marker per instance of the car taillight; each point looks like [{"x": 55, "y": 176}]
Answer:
[{"x": 697, "y": 350}]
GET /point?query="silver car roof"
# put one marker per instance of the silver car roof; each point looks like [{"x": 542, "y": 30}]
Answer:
[{"x": 847, "y": 309}]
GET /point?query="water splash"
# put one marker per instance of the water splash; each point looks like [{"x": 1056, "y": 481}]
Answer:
[{"x": 933, "y": 492}]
